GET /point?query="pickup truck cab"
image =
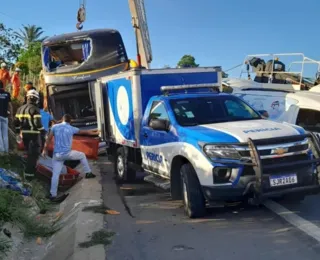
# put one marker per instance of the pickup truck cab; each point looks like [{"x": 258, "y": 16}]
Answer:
[{"x": 209, "y": 146}]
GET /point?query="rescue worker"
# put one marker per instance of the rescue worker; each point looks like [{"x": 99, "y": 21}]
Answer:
[
  {"x": 4, "y": 75},
  {"x": 16, "y": 83},
  {"x": 28, "y": 124},
  {"x": 30, "y": 86}
]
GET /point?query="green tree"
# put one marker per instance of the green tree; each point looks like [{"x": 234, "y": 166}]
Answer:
[
  {"x": 29, "y": 34},
  {"x": 187, "y": 61},
  {"x": 9, "y": 45},
  {"x": 31, "y": 58}
]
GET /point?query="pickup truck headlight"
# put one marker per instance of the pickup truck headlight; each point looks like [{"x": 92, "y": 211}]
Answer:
[{"x": 221, "y": 152}]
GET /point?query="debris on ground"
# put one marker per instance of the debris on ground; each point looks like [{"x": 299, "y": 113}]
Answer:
[
  {"x": 101, "y": 237},
  {"x": 20, "y": 206},
  {"x": 11, "y": 180},
  {"x": 112, "y": 212}
]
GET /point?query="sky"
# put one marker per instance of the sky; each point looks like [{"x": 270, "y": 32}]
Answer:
[{"x": 216, "y": 33}]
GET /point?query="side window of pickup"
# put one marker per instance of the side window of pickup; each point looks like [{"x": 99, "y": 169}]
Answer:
[
  {"x": 309, "y": 119},
  {"x": 158, "y": 111},
  {"x": 235, "y": 109}
]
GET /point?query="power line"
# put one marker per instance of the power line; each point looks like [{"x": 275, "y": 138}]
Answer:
[{"x": 7, "y": 15}]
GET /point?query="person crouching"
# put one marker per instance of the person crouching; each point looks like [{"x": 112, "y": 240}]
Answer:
[{"x": 63, "y": 136}]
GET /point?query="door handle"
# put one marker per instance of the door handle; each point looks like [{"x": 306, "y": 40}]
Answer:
[{"x": 145, "y": 135}]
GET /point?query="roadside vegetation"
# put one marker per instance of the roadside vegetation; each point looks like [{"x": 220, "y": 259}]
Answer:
[{"x": 23, "y": 211}]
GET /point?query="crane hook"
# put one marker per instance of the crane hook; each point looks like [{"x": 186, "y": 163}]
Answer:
[{"x": 81, "y": 16}]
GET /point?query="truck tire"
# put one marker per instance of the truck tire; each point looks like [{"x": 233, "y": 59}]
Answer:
[
  {"x": 121, "y": 169},
  {"x": 193, "y": 199}
]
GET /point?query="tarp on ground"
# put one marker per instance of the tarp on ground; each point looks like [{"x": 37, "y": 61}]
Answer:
[{"x": 11, "y": 180}]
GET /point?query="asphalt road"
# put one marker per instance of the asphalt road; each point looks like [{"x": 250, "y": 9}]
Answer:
[{"x": 152, "y": 226}]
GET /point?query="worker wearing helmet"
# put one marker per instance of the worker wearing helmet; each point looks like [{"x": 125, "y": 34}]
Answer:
[
  {"x": 30, "y": 86},
  {"x": 28, "y": 125},
  {"x": 16, "y": 83},
  {"x": 4, "y": 75}
]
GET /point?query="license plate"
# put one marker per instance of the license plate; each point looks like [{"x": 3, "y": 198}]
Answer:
[{"x": 283, "y": 180}]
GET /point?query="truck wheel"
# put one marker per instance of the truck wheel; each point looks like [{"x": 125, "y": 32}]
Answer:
[
  {"x": 193, "y": 199},
  {"x": 122, "y": 171}
]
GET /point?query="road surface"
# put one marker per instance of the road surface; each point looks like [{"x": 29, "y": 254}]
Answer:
[{"x": 153, "y": 227}]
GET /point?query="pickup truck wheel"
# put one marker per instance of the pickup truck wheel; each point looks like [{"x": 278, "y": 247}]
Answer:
[
  {"x": 193, "y": 200},
  {"x": 122, "y": 171}
]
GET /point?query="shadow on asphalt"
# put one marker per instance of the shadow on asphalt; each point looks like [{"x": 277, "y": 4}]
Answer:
[{"x": 157, "y": 228}]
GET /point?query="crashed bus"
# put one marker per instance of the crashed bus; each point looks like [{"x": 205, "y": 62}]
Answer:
[{"x": 71, "y": 64}]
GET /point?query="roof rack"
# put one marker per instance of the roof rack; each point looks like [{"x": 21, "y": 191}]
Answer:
[
  {"x": 213, "y": 87},
  {"x": 269, "y": 89}
]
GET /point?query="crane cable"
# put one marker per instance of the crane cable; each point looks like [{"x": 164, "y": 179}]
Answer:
[{"x": 81, "y": 15}]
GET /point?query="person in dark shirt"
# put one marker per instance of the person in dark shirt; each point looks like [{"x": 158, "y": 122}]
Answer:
[
  {"x": 28, "y": 124},
  {"x": 5, "y": 105}
]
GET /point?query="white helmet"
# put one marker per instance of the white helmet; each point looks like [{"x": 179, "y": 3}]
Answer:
[
  {"x": 3, "y": 65},
  {"x": 18, "y": 69},
  {"x": 33, "y": 93}
]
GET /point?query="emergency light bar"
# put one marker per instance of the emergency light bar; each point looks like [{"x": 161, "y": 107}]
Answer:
[{"x": 211, "y": 86}]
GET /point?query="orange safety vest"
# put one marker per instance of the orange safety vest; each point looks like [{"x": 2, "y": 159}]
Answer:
[
  {"x": 4, "y": 77},
  {"x": 16, "y": 83}
]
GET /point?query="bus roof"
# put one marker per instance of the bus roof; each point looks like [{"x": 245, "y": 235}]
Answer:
[{"x": 77, "y": 35}]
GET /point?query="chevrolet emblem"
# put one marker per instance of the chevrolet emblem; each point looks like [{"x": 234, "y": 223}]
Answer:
[{"x": 279, "y": 151}]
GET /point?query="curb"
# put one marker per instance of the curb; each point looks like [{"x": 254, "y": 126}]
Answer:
[{"x": 78, "y": 226}]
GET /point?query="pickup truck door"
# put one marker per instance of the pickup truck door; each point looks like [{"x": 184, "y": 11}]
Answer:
[{"x": 155, "y": 144}]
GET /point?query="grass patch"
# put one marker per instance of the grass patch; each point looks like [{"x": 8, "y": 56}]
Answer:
[
  {"x": 16, "y": 210},
  {"x": 39, "y": 194},
  {"x": 11, "y": 203},
  {"x": 5, "y": 247},
  {"x": 101, "y": 237},
  {"x": 20, "y": 210},
  {"x": 13, "y": 162},
  {"x": 31, "y": 227}
]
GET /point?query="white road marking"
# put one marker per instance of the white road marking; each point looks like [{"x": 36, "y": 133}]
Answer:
[{"x": 304, "y": 225}]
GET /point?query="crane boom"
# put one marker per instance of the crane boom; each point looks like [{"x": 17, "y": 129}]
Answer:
[{"x": 139, "y": 22}]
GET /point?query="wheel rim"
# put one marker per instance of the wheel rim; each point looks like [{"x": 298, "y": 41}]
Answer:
[{"x": 120, "y": 166}]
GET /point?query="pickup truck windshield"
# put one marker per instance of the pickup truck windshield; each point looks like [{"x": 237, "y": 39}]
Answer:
[{"x": 208, "y": 110}]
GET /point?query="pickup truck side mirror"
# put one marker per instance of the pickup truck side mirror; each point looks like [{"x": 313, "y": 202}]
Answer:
[{"x": 159, "y": 124}]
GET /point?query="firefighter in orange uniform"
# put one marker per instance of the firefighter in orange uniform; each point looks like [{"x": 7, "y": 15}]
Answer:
[
  {"x": 4, "y": 75},
  {"x": 16, "y": 83}
]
